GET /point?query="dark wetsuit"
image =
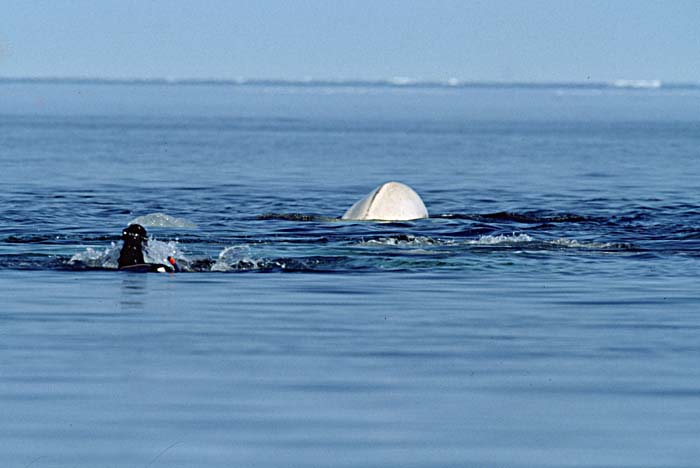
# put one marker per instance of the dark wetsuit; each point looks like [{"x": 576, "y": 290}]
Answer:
[
  {"x": 134, "y": 237},
  {"x": 131, "y": 258}
]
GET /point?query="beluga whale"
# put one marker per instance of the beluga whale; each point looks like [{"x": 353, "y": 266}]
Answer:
[{"x": 391, "y": 201}]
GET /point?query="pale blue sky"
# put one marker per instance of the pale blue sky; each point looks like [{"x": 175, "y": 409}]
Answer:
[{"x": 433, "y": 40}]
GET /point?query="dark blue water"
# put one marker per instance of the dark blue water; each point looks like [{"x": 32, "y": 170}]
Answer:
[{"x": 546, "y": 314}]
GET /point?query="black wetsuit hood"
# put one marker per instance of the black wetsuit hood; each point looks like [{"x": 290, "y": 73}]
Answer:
[{"x": 135, "y": 238}]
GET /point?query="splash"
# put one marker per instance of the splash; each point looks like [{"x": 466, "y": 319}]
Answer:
[
  {"x": 154, "y": 252},
  {"x": 158, "y": 252},
  {"x": 236, "y": 257},
  {"x": 92, "y": 258}
]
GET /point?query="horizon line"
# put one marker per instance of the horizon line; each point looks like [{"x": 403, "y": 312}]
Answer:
[{"x": 394, "y": 82}]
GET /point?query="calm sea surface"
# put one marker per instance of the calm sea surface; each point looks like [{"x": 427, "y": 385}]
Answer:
[{"x": 546, "y": 315}]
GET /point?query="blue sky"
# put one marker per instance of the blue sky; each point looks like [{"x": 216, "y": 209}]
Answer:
[{"x": 337, "y": 39}]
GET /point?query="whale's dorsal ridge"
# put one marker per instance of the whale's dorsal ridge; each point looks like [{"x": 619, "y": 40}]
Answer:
[{"x": 391, "y": 201}]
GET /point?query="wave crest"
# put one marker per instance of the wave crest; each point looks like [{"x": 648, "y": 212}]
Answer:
[
  {"x": 406, "y": 240},
  {"x": 501, "y": 239}
]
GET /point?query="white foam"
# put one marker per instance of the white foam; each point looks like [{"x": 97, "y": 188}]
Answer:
[
  {"x": 162, "y": 220},
  {"x": 406, "y": 241},
  {"x": 574, "y": 244},
  {"x": 501, "y": 239}
]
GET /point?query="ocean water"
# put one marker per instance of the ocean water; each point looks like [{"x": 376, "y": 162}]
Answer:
[{"x": 547, "y": 314}]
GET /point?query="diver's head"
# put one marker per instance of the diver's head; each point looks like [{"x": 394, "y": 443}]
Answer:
[
  {"x": 135, "y": 234},
  {"x": 135, "y": 239}
]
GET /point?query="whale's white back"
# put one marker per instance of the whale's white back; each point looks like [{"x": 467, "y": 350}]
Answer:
[{"x": 391, "y": 201}]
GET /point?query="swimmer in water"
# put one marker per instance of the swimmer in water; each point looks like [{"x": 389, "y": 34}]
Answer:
[{"x": 131, "y": 258}]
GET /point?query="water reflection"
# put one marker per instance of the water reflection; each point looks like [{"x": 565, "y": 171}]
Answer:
[{"x": 133, "y": 292}]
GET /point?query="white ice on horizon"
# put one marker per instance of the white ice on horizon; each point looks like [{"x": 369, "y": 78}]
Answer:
[{"x": 637, "y": 84}]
